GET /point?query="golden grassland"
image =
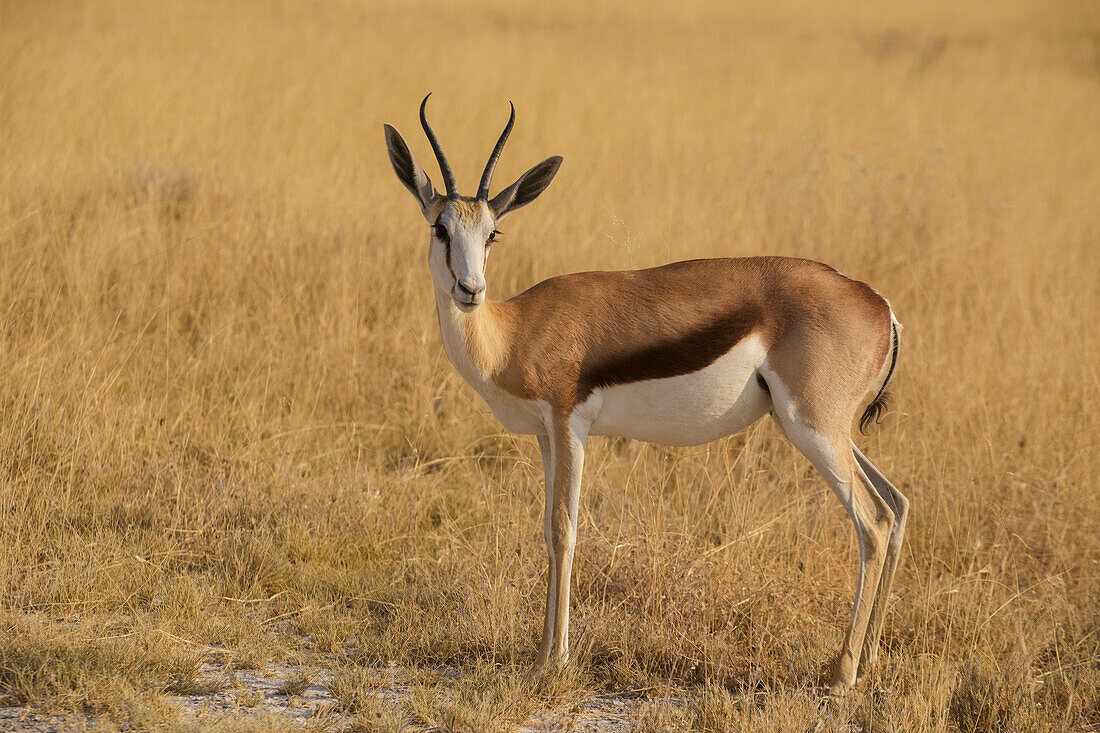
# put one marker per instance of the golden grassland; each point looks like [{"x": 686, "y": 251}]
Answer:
[{"x": 229, "y": 432}]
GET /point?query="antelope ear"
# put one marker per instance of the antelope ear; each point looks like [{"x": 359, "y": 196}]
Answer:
[
  {"x": 409, "y": 171},
  {"x": 526, "y": 188}
]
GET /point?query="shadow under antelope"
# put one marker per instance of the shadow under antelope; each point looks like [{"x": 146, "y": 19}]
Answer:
[{"x": 680, "y": 354}]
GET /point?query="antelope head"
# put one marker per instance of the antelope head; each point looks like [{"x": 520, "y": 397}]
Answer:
[{"x": 462, "y": 228}]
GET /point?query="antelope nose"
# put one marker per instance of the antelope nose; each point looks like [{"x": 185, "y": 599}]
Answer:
[{"x": 471, "y": 286}]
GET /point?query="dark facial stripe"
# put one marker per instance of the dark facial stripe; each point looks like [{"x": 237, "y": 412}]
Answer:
[
  {"x": 450, "y": 267},
  {"x": 447, "y": 252},
  {"x": 682, "y": 354}
]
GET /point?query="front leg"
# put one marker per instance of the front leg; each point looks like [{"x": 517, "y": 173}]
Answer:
[
  {"x": 546, "y": 449},
  {"x": 566, "y": 456}
]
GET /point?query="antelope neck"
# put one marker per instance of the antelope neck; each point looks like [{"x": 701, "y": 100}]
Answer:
[{"x": 475, "y": 342}]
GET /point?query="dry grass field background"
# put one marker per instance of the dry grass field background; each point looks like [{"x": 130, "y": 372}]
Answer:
[{"x": 229, "y": 434}]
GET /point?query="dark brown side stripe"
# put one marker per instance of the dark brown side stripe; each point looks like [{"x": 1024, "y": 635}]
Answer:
[{"x": 684, "y": 354}]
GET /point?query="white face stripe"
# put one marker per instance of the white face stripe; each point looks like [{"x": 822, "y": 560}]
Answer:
[{"x": 468, "y": 225}]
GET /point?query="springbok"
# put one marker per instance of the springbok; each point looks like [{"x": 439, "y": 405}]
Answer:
[{"x": 680, "y": 354}]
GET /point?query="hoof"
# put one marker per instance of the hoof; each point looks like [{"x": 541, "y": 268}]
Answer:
[{"x": 838, "y": 688}]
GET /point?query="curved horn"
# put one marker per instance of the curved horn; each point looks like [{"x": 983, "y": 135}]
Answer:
[
  {"x": 487, "y": 176},
  {"x": 444, "y": 166}
]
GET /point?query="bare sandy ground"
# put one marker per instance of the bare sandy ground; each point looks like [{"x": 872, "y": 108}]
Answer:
[{"x": 260, "y": 694}]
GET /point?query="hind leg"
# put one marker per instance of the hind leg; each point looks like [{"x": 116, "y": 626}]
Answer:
[
  {"x": 899, "y": 505},
  {"x": 828, "y": 450}
]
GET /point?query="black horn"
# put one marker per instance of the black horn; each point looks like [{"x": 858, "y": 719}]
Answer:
[
  {"x": 487, "y": 176},
  {"x": 444, "y": 166}
]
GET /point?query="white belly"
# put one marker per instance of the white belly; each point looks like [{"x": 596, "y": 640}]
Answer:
[{"x": 690, "y": 409}]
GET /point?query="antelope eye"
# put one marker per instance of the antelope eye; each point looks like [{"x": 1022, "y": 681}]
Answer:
[
  {"x": 492, "y": 236},
  {"x": 440, "y": 232}
]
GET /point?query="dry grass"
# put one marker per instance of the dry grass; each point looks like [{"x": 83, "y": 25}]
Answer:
[
  {"x": 229, "y": 430},
  {"x": 296, "y": 684}
]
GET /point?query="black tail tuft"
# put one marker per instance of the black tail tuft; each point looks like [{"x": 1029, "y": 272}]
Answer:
[
  {"x": 881, "y": 403},
  {"x": 874, "y": 411}
]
